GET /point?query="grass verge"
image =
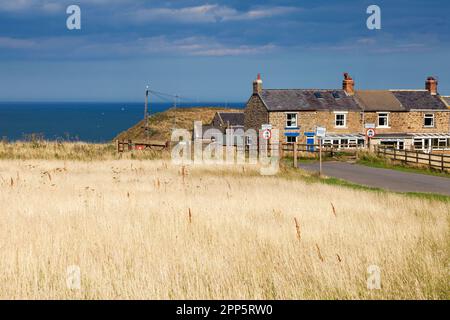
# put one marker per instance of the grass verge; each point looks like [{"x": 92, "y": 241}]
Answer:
[
  {"x": 373, "y": 161},
  {"x": 287, "y": 171}
]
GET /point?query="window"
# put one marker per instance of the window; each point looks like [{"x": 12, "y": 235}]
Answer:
[
  {"x": 318, "y": 95},
  {"x": 352, "y": 143},
  {"x": 340, "y": 120},
  {"x": 434, "y": 143},
  {"x": 428, "y": 120},
  {"x": 361, "y": 142},
  {"x": 418, "y": 144},
  {"x": 290, "y": 139},
  {"x": 390, "y": 144},
  {"x": 383, "y": 120},
  {"x": 291, "y": 120},
  {"x": 344, "y": 143}
]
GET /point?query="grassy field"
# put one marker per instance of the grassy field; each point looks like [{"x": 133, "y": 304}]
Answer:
[{"x": 145, "y": 229}]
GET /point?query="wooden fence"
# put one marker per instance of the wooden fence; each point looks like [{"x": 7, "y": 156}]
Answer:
[
  {"x": 128, "y": 145},
  {"x": 431, "y": 160},
  {"x": 327, "y": 149}
]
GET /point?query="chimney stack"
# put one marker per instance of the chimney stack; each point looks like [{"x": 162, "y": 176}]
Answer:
[
  {"x": 431, "y": 85},
  {"x": 348, "y": 85},
  {"x": 257, "y": 85}
]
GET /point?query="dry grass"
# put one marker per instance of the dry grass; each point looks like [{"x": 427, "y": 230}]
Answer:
[
  {"x": 78, "y": 151},
  {"x": 146, "y": 229}
]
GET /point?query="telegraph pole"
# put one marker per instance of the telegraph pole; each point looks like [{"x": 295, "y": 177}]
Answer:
[
  {"x": 175, "y": 116},
  {"x": 320, "y": 157},
  {"x": 146, "y": 113}
]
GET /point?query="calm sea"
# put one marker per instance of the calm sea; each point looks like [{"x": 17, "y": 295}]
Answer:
[{"x": 90, "y": 122}]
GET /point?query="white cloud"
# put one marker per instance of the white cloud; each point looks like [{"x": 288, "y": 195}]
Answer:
[
  {"x": 200, "y": 46},
  {"x": 46, "y": 6},
  {"x": 208, "y": 13},
  {"x": 13, "y": 43},
  {"x": 91, "y": 47}
]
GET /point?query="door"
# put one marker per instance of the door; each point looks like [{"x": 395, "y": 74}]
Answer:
[
  {"x": 426, "y": 144},
  {"x": 310, "y": 141}
]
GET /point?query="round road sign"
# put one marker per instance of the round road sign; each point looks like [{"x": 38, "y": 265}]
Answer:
[
  {"x": 370, "y": 133},
  {"x": 266, "y": 134}
]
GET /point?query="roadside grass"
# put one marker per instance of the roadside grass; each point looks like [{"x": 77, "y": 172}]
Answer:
[
  {"x": 287, "y": 171},
  {"x": 371, "y": 160},
  {"x": 351, "y": 185}
]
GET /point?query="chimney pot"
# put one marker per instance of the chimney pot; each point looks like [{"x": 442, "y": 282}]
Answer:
[
  {"x": 431, "y": 85},
  {"x": 257, "y": 84},
  {"x": 348, "y": 84}
]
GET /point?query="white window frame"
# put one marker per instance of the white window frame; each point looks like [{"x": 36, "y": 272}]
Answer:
[
  {"x": 296, "y": 120},
  {"x": 432, "y": 120},
  {"x": 387, "y": 120},
  {"x": 336, "y": 113},
  {"x": 287, "y": 138}
]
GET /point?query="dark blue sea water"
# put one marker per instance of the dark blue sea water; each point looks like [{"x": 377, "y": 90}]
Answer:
[{"x": 83, "y": 121}]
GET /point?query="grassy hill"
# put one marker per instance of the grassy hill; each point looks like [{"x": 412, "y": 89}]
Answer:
[{"x": 161, "y": 124}]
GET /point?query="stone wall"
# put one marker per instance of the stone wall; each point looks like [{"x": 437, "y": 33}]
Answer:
[
  {"x": 411, "y": 122},
  {"x": 255, "y": 113},
  {"x": 400, "y": 122},
  {"x": 307, "y": 121}
]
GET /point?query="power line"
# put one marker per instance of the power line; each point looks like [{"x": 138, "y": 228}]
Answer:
[{"x": 173, "y": 96}]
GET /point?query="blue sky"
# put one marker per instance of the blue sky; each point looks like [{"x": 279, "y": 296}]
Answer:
[{"x": 212, "y": 50}]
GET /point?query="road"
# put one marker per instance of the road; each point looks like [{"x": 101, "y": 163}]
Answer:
[{"x": 388, "y": 179}]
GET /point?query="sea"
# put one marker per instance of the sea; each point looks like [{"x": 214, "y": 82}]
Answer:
[{"x": 78, "y": 121}]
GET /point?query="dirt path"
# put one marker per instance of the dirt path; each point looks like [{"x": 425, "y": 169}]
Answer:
[{"x": 383, "y": 178}]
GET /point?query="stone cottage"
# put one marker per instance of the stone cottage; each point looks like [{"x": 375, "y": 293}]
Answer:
[{"x": 418, "y": 119}]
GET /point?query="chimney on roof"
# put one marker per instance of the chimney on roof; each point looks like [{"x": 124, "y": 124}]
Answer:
[
  {"x": 348, "y": 85},
  {"x": 431, "y": 85},
  {"x": 257, "y": 84}
]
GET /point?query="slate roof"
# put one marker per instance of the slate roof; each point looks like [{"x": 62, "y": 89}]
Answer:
[
  {"x": 307, "y": 100},
  {"x": 419, "y": 99},
  {"x": 338, "y": 100},
  {"x": 447, "y": 100},
  {"x": 378, "y": 100},
  {"x": 232, "y": 118}
]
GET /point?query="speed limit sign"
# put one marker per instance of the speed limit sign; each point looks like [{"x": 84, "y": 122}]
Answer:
[
  {"x": 370, "y": 133},
  {"x": 266, "y": 134}
]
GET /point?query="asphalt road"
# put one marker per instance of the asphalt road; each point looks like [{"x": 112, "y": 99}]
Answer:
[{"x": 383, "y": 178}]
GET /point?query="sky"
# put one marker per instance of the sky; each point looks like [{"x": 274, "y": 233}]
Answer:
[{"x": 212, "y": 50}]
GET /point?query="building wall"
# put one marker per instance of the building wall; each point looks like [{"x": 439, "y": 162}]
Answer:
[
  {"x": 399, "y": 122},
  {"x": 307, "y": 121},
  {"x": 255, "y": 113},
  {"x": 411, "y": 122}
]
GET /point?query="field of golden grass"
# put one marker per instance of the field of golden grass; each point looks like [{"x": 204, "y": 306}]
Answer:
[{"x": 145, "y": 229}]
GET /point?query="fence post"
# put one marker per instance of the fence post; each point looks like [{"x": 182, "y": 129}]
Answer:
[
  {"x": 442, "y": 162},
  {"x": 417, "y": 157},
  {"x": 429, "y": 159},
  {"x": 295, "y": 155},
  {"x": 406, "y": 156},
  {"x": 395, "y": 154}
]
